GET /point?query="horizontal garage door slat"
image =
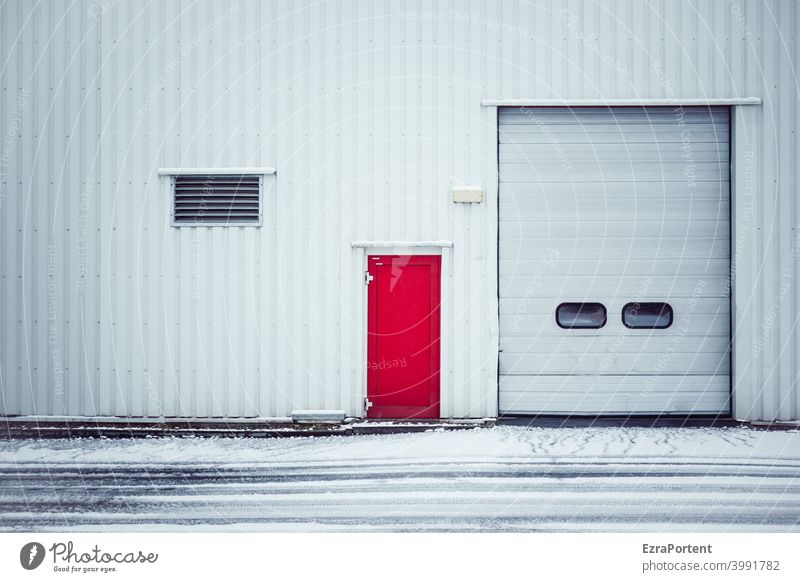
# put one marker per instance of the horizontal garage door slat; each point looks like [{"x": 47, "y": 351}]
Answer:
[
  {"x": 597, "y": 227},
  {"x": 613, "y": 190},
  {"x": 624, "y": 130},
  {"x": 542, "y": 123},
  {"x": 614, "y": 205},
  {"x": 628, "y": 343},
  {"x": 578, "y": 136},
  {"x": 650, "y": 247},
  {"x": 585, "y": 209},
  {"x": 701, "y": 325},
  {"x": 620, "y": 404},
  {"x": 613, "y": 153},
  {"x": 612, "y": 172},
  {"x": 622, "y": 265},
  {"x": 589, "y": 362},
  {"x": 614, "y": 394},
  {"x": 695, "y": 304},
  {"x": 637, "y": 113},
  {"x": 587, "y": 288}
]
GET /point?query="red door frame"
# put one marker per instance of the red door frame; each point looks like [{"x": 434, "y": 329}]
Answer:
[{"x": 377, "y": 409}]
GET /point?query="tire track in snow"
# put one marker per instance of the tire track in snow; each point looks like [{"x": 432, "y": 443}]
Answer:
[{"x": 431, "y": 497}]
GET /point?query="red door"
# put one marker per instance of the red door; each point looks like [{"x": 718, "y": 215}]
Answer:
[{"x": 403, "y": 342}]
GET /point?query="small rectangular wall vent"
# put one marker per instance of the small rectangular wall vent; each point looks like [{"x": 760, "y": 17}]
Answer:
[{"x": 216, "y": 200}]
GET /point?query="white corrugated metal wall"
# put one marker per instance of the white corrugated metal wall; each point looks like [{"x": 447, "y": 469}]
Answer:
[{"x": 369, "y": 112}]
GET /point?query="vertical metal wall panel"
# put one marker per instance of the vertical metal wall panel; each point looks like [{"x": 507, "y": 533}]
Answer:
[{"x": 371, "y": 113}]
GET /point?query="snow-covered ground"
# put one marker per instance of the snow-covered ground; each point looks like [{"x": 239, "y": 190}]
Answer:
[{"x": 500, "y": 479}]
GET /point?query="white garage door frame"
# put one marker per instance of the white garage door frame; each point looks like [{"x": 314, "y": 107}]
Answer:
[{"x": 742, "y": 125}]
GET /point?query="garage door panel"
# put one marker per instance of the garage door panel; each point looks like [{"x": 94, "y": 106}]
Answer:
[
  {"x": 595, "y": 287},
  {"x": 705, "y": 394},
  {"x": 619, "y": 115},
  {"x": 585, "y": 209},
  {"x": 622, "y": 383},
  {"x": 535, "y": 229},
  {"x": 614, "y": 206},
  {"x": 706, "y": 134},
  {"x": 642, "y": 402},
  {"x": 615, "y": 248},
  {"x": 615, "y": 407},
  {"x": 539, "y": 305},
  {"x": 623, "y": 266},
  {"x": 553, "y": 337},
  {"x": 574, "y": 171},
  {"x": 584, "y": 119},
  {"x": 700, "y": 324},
  {"x": 615, "y": 343},
  {"x": 622, "y": 130},
  {"x": 641, "y": 191},
  {"x": 614, "y": 153},
  {"x": 582, "y": 362}
]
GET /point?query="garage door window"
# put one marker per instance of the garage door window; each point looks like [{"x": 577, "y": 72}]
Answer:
[
  {"x": 581, "y": 315},
  {"x": 647, "y": 315}
]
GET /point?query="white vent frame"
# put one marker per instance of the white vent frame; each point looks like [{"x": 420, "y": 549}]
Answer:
[{"x": 174, "y": 173}]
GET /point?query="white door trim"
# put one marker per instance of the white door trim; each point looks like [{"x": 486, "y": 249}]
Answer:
[{"x": 363, "y": 249}]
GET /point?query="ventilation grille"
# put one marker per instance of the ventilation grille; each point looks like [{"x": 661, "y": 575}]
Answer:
[{"x": 228, "y": 200}]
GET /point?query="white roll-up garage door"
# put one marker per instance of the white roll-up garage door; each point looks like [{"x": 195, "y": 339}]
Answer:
[{"x": 614, "y": 260}]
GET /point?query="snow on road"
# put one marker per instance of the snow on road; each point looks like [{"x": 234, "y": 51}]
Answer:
[{"x": 500, "y": 479}]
